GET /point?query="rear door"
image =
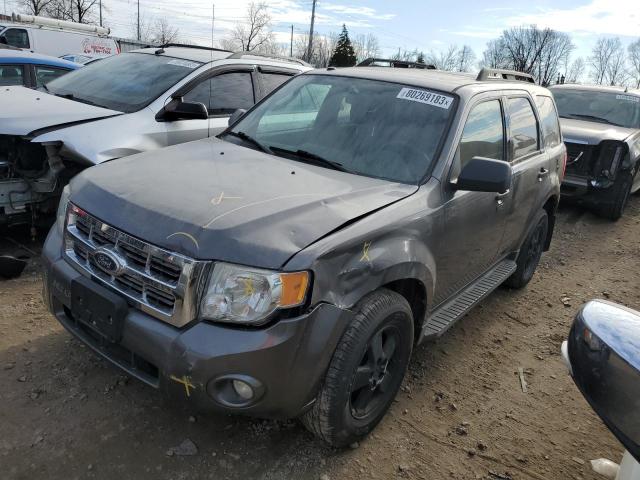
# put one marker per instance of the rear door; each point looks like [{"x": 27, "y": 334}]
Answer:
[{"x": 530, "y": 165}]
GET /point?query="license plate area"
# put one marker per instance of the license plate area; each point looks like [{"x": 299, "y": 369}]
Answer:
[{"x": 98, "y": 308}]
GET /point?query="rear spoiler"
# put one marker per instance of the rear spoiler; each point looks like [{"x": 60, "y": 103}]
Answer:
[
  {"x": 505, "y": 75},
  {"x": 386, "y": 62}
]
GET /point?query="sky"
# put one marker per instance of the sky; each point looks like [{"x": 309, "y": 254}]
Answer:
[{"x": 406, "y": 24}]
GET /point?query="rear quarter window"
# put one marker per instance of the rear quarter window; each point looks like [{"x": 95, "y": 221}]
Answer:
[{"x": 550, "y": 125}]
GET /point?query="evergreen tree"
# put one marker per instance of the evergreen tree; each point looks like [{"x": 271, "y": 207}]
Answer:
[{"x": 343, "y": 55}]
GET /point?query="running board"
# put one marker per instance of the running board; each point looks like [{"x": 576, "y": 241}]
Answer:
[{"x": 449, "y": 313}]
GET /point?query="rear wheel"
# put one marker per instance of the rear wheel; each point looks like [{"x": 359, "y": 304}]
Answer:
[
  {"x": 366, "y": 370},
  {"x": 530, "y": 253}
]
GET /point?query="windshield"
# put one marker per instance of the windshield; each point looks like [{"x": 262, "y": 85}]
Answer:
[
  {"x": 126, "y": 82},
  {"x": 373, "y": 128},
  {"x": 605, "y": 107}
]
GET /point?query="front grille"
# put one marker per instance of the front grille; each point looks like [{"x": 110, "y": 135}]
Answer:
[{"x": 161, "y": 283}]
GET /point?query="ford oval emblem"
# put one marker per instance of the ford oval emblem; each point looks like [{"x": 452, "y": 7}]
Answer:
[{"x": 109, "y": 262}]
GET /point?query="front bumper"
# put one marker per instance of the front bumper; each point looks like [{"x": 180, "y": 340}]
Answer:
[
  {"x": 288, "y": 359},
  {"x": 584, "y": 189}
]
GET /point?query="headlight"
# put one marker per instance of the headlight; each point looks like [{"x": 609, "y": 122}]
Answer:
[
  {"x": 62, "y": 209},
  {"x": 249, "y": 295}
]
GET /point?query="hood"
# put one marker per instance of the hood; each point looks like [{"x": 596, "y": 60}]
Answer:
[
  {"x": 592, "y": 133},
  {"x": 25, "y": 110},
  {"x": 214, "y": 200}
]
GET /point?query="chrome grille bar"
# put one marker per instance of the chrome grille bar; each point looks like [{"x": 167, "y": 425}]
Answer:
[{"x": 161, "y": 283}]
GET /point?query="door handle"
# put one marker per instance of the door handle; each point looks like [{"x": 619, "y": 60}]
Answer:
[
  {"x": 500, "y": 197},
  {"x": 542, "y": 173}
]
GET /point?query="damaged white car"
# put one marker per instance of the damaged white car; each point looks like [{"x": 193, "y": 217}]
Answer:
[{"x": 122, "y": 105}]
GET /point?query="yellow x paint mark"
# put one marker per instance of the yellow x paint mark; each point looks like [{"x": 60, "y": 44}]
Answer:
[
  {"x": 186, "y": 381},
  {"x": 365, "y": 252}
]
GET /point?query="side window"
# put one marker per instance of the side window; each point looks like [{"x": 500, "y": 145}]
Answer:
[
  {"x": 46, "y": 74},
  {"x": 225, "y": 93},
  {"x": 16, "y": 37},
  {"x": 483, "y": 134},
  {"x": 523, "y": 126},
  {"x": 11, "y": 75},
  {"x": 549, "y": 120},
  {"x": 271, "y": 81}
]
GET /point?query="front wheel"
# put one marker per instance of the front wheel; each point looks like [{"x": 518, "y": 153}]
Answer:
[
  {"x": 366, "y": 370},
  {"x": 618, "y": 197},
  {"x": 530, "y": 253}
]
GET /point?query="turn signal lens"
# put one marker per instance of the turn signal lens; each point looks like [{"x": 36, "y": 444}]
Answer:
[{"x": 294, "y": 288}]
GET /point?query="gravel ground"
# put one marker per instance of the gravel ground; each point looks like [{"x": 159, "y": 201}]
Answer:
[{"x": 461, "y": 413}]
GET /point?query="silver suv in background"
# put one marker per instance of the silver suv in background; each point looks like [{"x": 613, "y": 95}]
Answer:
[{"x": 122, "y": 105}]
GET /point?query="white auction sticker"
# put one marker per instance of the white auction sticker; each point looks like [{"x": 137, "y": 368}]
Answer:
[
  {"x": 426, "y": 97},
  {"x": 628, "y": 98},
  {"x": 183, "y": 63}
]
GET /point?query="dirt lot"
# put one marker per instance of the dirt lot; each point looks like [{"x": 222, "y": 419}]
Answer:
[{"x": 461, "y": 414}]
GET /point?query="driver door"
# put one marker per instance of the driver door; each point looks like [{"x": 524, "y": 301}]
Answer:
[{"x": 474, "y": 222}]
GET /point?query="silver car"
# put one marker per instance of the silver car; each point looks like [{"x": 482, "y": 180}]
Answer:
[{"x": 119, "y": 106}]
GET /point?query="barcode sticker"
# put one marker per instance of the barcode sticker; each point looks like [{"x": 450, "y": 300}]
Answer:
[
  {"x": 426, "y": 97},
  {"x": 628, "y": 98},
  {"x": 183, "y": 63}
]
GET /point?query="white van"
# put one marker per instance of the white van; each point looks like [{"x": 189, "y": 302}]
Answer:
[{"x": 56, "y": 37}]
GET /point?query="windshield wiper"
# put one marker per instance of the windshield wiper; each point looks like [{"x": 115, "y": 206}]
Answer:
[
  {"x": 71, "y": 96},
  {"x": 247, "y": 138},
  {"x": 592, "y": 117},
  {"x": 310, "y": 157}
]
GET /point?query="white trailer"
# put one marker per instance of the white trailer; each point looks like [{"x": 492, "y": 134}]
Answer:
[{"x": 56, "y": 37}]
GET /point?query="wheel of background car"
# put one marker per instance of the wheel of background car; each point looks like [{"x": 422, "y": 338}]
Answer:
[
  {"x": 366, "y": 370},
  {"x": 530, "y": 253},
  {"x": 616, "y": 200},
  {"x": 403, "y": 157}
]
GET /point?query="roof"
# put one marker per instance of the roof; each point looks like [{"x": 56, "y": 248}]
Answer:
[
  {"x": 596, "y": 88},
  {"x": 24, "y": 57},
  {"x": 436, "y": 79},
  {"x": 206, "y": 55}
]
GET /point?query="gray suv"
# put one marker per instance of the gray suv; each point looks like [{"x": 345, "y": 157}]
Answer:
[{"x": 288, "y": 267}]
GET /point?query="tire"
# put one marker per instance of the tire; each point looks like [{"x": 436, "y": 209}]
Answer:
[
  {"x": 530, "y": 253},
  {"x": 358, "y": 390},
  {"x": 617, "y": 198}
]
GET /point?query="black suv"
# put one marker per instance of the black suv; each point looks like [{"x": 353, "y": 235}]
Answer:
[
  {"x": 288, "y": 267},
  {"x": 601, "y": 128}
]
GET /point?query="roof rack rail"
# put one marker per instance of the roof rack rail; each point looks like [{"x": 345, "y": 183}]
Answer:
[
  {"x": 199, "y": 47},
  {"x": 239, "y": 55},
  {"x": 508, "y": 75},
  {"x": 375, "y": 62}
]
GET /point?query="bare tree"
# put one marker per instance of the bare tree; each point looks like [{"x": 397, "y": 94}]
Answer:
[
  {"x": 366, "y": 46},
  {"x": 323, "y": 47},
  {"x": 466, "y": 59},
  {"x": 83, "y": 10},
  {"x": 80, "y": 11},
  {"x": 34, "y": 7},
  {"x": 576, "y": 71},
  {"x": 254, "y": 33},
  {"x": 605, "y": 60},
  {"x": 163, "y": 32},
  {"x": 634, "y": 62},
  {"x": 447, "y": 59},
  {"x": 553, "y": 55},
  {"x": 495, "y": 55}
]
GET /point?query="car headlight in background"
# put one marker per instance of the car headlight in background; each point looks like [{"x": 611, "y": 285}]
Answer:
[
  {"x": 62, "y": 209},
  {"x": 249, "y": 296}
]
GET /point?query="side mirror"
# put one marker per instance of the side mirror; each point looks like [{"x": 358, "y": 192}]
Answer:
[
  {"x": 3, "y": 40},
  {"x": 177, "y": 109},
  {"x": 484, "y": 175},
  {"x": 237, "y": 115},
  {"x": 603, "y": 353}
]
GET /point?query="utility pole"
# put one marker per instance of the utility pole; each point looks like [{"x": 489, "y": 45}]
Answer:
[
  {"x": 138, "y": 20},
  {"x": 313, "y": 19},
  {"x": 213, "y": 20},
  {"x": 291, "y": 48},
  {"x": 100, "y": 12}
]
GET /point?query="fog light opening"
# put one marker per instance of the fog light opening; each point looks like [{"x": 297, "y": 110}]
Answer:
[{"x": 243, "y": 389}]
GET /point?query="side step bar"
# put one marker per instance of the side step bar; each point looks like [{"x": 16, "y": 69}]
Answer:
[{"x": 449, "y": 313}]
